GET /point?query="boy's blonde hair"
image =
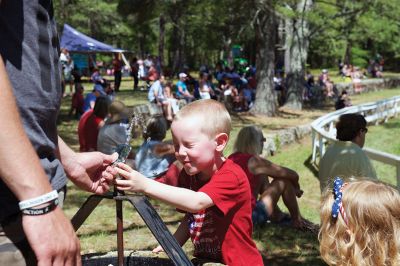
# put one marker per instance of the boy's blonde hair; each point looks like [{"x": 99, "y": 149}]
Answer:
[
  {"x": 372, "y": 233},
  {"x": 214, "y": 117},
  {"x": 249, "y": 140}
]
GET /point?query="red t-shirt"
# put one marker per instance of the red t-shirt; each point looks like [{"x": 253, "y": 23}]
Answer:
[
  {"x": 223, "y": 231},
  {"x": 88, "y": 129},
  {"x": 242, "y": 159}
]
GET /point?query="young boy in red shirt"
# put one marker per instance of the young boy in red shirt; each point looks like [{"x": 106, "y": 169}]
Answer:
[{"x": 213, "y": 191}]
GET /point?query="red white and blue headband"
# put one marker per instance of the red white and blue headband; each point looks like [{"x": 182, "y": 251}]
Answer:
[{"x": 337, "y": 206}]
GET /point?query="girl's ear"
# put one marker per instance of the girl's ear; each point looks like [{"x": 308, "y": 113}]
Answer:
[{"x": 221, "y": 140}]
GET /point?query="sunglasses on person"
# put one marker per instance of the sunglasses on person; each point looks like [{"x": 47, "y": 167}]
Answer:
[{"x": 364, "y": 130}]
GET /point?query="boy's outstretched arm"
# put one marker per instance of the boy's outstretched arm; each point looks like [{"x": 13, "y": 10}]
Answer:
[{"x": 184, "y": 199}]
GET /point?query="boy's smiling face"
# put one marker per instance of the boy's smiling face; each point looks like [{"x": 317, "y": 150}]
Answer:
[{"x": 194, "y": 149}]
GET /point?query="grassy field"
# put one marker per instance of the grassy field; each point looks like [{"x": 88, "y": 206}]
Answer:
[{"x": 279, "y": 245}]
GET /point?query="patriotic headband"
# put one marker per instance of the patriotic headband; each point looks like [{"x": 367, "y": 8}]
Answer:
[{"x": 337, "y": 206}]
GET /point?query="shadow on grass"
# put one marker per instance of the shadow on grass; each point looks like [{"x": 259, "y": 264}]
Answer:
[
  {"x": 283, "y": 245},
  {"x": 132, "y": 226},
  {"x": 312, "y": 167},
  {"x": 391, "y": 125}
]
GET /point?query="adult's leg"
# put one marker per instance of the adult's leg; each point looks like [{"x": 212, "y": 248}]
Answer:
[
  {"x": 135, "y": 82},
  {"x": 117, "y": 80},
  {"x": 270, "y": 197},
  {"x": 167, "y": 110}
]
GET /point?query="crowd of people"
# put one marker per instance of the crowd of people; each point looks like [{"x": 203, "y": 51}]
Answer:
[{"x": 221, "y": 197}]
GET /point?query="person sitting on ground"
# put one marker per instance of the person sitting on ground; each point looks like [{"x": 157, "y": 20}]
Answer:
[
  {"x": 360, "y": 224},
  {"x": 205, "y": 89},
  {"x": 96, "y": 77},
  {"x": 345, "y": 157},
  {"x": 356, "y": 76},
  {"x": 77, "y": 102},
  {"x": 148, "y": 162},
  {"x": 181, "y": 89},
  {"x": 343, "y": 101},
  {"x": 326, "y": 83},
  {"x": 169, "y": 96},
  {"x": 156, "y": 95},
  {"x": 213, "y": 191},
  {"x": 285, "y": 182},
  {"x": 91, "y": 97},
  {"x": 90, "y": 123}
]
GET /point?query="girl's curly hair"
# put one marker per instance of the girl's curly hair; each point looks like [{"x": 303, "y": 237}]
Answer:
[{"x": 372, "y": 233}]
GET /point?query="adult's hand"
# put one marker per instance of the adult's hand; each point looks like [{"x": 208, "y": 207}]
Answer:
[
  {"x": 52, "y": 239},
  {"x": 85, "y": 170}
]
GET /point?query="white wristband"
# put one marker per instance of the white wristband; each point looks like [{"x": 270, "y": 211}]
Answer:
[{"x": 25, "y": 204}]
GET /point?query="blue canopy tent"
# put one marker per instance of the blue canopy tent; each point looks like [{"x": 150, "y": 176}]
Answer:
[
  {"x": 78, "y": 42},
  {"x": 83, "y": 48}
]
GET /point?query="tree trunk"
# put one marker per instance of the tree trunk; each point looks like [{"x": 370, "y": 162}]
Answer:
[
  {"x": 296, "y": 43},
  {"x": 161, "y": 42},
  {"x": 265, "y": 103}
]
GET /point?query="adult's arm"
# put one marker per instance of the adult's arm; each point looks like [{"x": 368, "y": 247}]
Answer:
[
  {"x": 51, "y": 235},
  {"x": 258, "y": 165}
]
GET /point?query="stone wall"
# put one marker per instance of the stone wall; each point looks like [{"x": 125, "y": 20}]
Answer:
[{"x": 371, "y": 84}]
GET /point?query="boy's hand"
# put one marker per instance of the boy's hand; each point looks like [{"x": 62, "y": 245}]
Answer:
[
  {"x": 158, "y": 249},
  {"x": 133, "y": 180}
]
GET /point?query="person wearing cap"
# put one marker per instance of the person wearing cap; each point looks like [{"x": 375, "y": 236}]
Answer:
[
  {"x": 181, "y": 89},
  {"x": 90, "y": 98},
  {"x": 114, "y": 131}
]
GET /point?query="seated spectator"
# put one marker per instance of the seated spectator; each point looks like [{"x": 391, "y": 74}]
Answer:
[
  {"x": 343, "y": 101},
  {"x": 169, "y": 96},
  {"x": 356, "y": 76},
  {"x": 205, "y": 89},
  {"x": 326, "y": 83},
  {"x": 247, "y": 97},
  {"x": 90, "y": 123},
  {"x": 96, "y": 77},
  {"x": 91, "y": 97},
  {"x": 280, "y": 88},
  {"x": 345, "y": 158},
  {"x": 114, "y": 131},
  {"x": 285, "y": 182},
  {"x": 156, "y": 95},
  {"x": 77, "y": 101},
  {"x": 229, "y": 91},
  {"x": 182, "y": 91},
  {"x": 148, "y": 162}
]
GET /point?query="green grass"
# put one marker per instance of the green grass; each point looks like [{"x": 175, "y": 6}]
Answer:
[{"x": 279, "y": 245}]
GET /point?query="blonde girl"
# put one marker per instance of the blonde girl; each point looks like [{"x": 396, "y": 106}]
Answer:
[{"x": 360, "y": 224}]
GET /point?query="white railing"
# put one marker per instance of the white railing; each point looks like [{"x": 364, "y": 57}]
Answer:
[{"x": 324, "y": 132}]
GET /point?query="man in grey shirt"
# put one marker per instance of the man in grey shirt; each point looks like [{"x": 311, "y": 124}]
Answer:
[{"x": 34, "y": 161}]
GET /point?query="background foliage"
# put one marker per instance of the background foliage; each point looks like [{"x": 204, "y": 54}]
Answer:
[{"x": 202, "y": 32}]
